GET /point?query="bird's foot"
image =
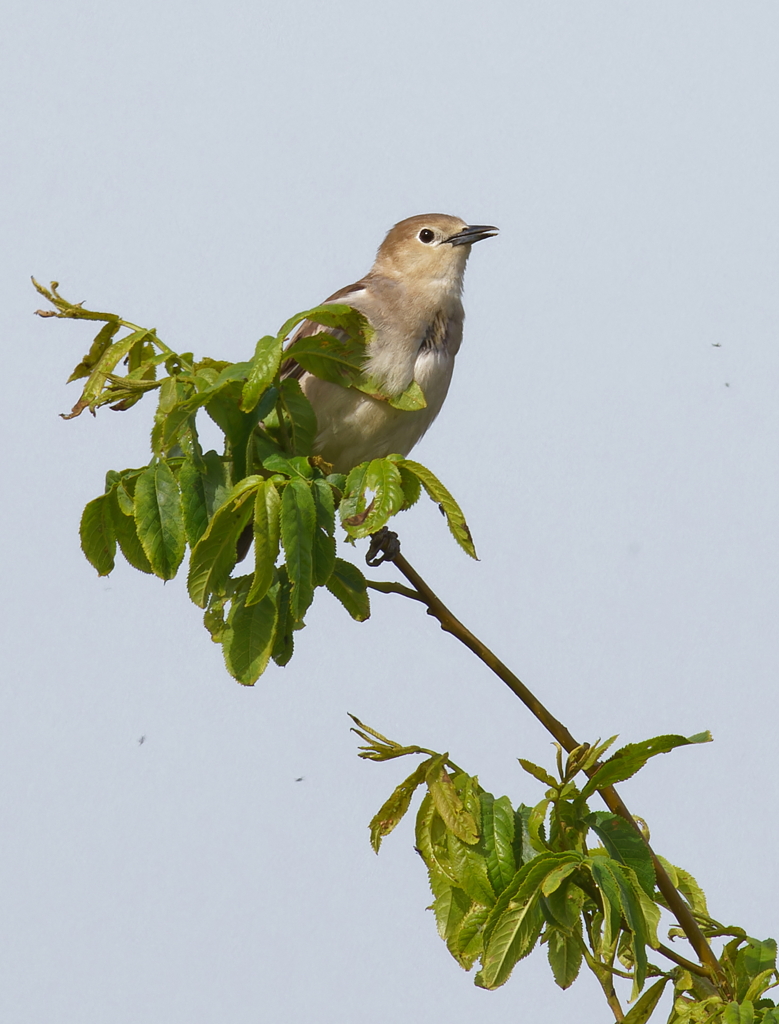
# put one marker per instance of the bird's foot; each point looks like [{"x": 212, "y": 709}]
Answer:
[{"x": 384, "y": 547}]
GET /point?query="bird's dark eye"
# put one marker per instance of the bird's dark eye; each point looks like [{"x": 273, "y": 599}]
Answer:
[{"x": 426, "y": 235}]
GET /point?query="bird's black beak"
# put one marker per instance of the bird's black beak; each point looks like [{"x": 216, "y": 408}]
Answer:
[{"x": 473, "y": 233}]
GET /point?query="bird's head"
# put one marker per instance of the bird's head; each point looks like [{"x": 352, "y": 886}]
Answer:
[{"x": 432, "y": 247}]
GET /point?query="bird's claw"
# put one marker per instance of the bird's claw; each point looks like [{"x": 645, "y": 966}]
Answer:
[{"x": 384, "y": 547}]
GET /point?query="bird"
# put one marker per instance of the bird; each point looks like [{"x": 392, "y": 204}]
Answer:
[{"x": 412, "y": 298}]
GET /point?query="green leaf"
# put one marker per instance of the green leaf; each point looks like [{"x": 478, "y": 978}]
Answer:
[
  {"x": 412, "y": 488},
  {"x": 431, "y": 834},
  {"x": 466, "y": 941},
  {"x": 497, "y": 836},
  {"x": 298, "y": 518},
  {"x": 214, "y": 555},
  {"x": 203, "y": 489},
  {"x": 555, "y": 878},
  {"x": 450, "y": 907},
  {"x": 535, "y": 826},
  {"x": 410, "y": 400},
  {"x": 448, "y": 803},
  {"x": 612, "y": 904},
  {"x": 439, "y": 494},
  {"x": 99, "y": 346},
  {"x": 284, "y": 644},
  {"x": 738, "y": 1013},
  {"x": 301, "y": 414},
  {"x": 565, "y": 957},
  {"x": 645, "y": 1007},
  {"x": 263, "y": 368},
  {"x": 538, "y": 773},
  {"x": 248, "y": 640},
  {"x": 624, "y": 844},
  {"x": 347, "y": 583},
  {"x": 393, "y": 809},
  {"x": 470, "y": 869},
  {"x": 523, "y": 848},
  {"x": 752, "y": 961},
  {"x": 159, "y": 520},
  {"x": 105, "y": 364},
  {"x": 267, "y": 511},
  {"x": 296, "y": 466},
  {"x": 338, "y": 360},
  {"x": 126, "y": 532},
  {"x": 214, "y": 619},
  {"x": 324, "y": 541},
  {"x": 564, "y": 905},
  {"x": 626, "y": 761},
  {"x": 382, "y": 477},
  {"x": 514, "y": 924},
  {"x": 98, "y": 541},
  {"x": 172, "y": 393},
  {"x": 630, "y": 905}
]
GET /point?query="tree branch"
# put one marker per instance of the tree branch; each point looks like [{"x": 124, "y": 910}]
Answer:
[{"x": 451, "y": 624}]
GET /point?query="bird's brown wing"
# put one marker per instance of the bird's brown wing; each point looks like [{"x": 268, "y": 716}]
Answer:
[{"x": 307, "y": 328}]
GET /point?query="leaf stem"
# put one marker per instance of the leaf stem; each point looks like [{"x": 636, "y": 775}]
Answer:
[{"x": 451, "y": 624}]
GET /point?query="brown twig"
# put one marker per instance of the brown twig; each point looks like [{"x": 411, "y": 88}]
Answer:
[{"x": 451, "y": 624}]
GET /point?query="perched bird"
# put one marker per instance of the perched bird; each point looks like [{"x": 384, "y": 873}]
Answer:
[{"x": 412, "y": 298}]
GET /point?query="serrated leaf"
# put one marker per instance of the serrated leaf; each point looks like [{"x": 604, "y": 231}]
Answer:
[
  {"x": 393, "y": 809},
  {"x": 382, "y": 478},
  {"x": 410, "y": 400},
  {"x": 466, "y": 942},
  {"x": 99, "y": 346},
  {"x": 348, "y": 585},
  {"x": 514, "y": 924},
  {"x": 612, "y": 905},
  {"x": 751, "y": 961},
  {"x": 450, "y": 907},
  {"x": 626, "y": 761},
  {"x": 738, "y": 1013},
  {"x": 624, "y": 844},
  {"x": 105, "y": 364},
  {"x": 284, "y": 644},
  {"x": 267, "y": 535},
  {"x": 248, "y": 639},
  {"x": 159, "y": 520},
  {"x": 412, "y": 488},
  {"x": 301, "y": 414},
  {"x": 555, "y": 878},
  {"x": 324, "y": 541},
  {"x": 538, "y": 773},
  {"x": 535, "y": 826},
  {"x": 98, "y": 541},
  {"x": 645, "y": 1007},
  {"x": 203, "y": 489},
  {"x": 214, "y": 555},
  {"x": 616, "y": 883},
  {"x": 564, "y": 905},
  {"x": 263, "y": 368},
  {"x": 298, "y": 518},
  {"x": 448, "y": 803},
  {"x": 497, "y": 836},
  {"x": 565, "y": 957},
  {"x": 126, "y": 533},
  {"x": 431, "y": 833},
  {"x": 334, "y": 359},
  {"x": 458, "y": 527},
  {"x": 469, "y": 865},
  {"x": 298, "y": 465}
]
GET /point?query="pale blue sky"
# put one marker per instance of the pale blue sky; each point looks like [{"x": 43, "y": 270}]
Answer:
[{"x": 210, "y": 169}]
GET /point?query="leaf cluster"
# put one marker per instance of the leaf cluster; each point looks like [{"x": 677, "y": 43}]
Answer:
[
  {"x": 265, "y": 490},
  {"x": 506, "y": 879}
]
